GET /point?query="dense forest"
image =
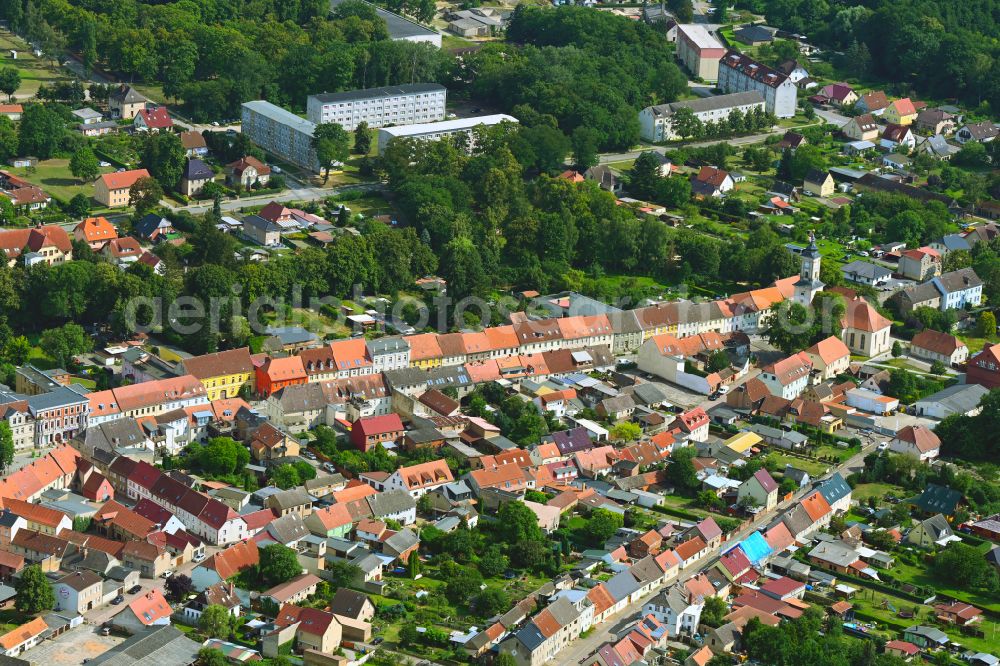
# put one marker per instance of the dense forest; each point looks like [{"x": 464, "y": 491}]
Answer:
[
  {"x": 590, "y": 71},
  {"x": 943, "y": 49},
  {"x": 491, "y": 227},
  {"x": 216, "y": 55},
  {"x": 587, "y": 69}
]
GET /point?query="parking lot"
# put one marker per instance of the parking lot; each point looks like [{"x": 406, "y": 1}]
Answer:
[{"x": 74, "y": 647}]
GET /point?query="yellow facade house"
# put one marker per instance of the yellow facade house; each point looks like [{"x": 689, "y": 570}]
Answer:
[
  {"x": 223, "y": 374},
  {"x": 900, "y": 112}
]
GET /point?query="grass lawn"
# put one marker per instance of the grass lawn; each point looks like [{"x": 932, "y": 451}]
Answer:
[
  {"x": 877, "y": 490},
  {"x": 919, "y": 575},
  {"x": 34, "y": 71},
  {"x": 624, "y": 165},
  {"x": 54, "y": 177},
  {"x": 976, "y": 344},
  {"x": 829, "y": 451},
  {"x": 813, "y": 467},
  {"x": 313, "y": 321}
]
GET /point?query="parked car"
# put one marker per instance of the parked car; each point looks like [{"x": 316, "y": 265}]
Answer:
[
  {"x": 134, "y": 589},
  {"x": 117, "y": 600},
  {"x": 166, "y": 574}
]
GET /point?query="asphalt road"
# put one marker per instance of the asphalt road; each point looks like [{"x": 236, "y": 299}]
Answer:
[{"x": 581, "y": 649}]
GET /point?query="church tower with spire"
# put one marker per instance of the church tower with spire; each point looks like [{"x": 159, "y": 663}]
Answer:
[{"x": 808, "y": 284}]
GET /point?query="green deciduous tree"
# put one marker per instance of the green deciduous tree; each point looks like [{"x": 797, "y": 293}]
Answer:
[
  {"x": 285, "y": 477},
  {"x": 331, "y": 143},
  {"x": 986, "y": 324},
  {"x": 219, "y": 456},
  {"x": 681, "y": 469},
  {"x": 626, "y": 431},
  {"x": 40, "y": 131},
  {"x": 602, "y": 525},
  {"x": 164, "y": 157},
  {"x": 212, "y": 657},
  {"x": 10, "y": 81},
  {"x": 278, "y": 564},
  {"x": 518, "y": 523},
  {"x": 463, "y": 584},
  {"x": 362, "y": 138},
  {"x": 215, "y": 621},
  {"x": 6, "y": 446},
  {"x": 65, "y": 342},
  {"x": 493, "y": 562},
  {"x": 491, "y": 601},
  {"x": 84, "y": 164},
  {"x": 342, "y": 573},
  {"x": 584, "y": 141},
  {"x": 34, "y": 593},
  {"x": 145, "y": 195}
]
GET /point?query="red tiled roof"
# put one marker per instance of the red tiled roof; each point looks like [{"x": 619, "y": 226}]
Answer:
[
  {"x": 150, "y": 607},
  {"x": 157, "y": 118},
  {"x": 122, "y": 180}
]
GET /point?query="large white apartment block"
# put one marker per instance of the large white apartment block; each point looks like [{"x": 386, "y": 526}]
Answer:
[
  {"x": 656, "y": 122},
  {"x": 437, "y": 131},
  {"x": 281, "y": 133},
  {"x": 379, "y": 107},
  {"x": 739, "y": 73}
]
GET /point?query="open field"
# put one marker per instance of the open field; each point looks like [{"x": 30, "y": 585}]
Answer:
[
  {"x": 34, "y": 71},
  {"x": 54, "y": 177}
]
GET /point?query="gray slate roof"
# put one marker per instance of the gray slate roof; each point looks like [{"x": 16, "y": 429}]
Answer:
[
  {"x": 958, "y": 399},
  {"x": 713, "y": 103},
  {"x": 159, "y": 646},
  {"x": 373, "y": 93},
  {"x": 390, "y": 502},
  {"x": 864, "y": 269}
]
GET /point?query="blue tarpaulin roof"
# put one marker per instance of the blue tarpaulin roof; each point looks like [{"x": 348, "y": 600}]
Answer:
[{"x": 755, "y": 547}]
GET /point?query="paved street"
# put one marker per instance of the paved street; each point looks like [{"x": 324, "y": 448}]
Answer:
[
  {"x": 832, "y": 117},
  {"x": 579, "y": 650},
  {"x": 302, "y": 193}
]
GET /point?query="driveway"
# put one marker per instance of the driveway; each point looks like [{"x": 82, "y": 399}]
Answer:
[
  {"x": 305, "y": 193},
  {"x": 74, "y": 647},
  {"x": 832, "y": 117}
]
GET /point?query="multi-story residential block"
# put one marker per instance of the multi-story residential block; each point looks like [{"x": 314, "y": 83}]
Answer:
[
  {"x": 787, "y": 378},
  {"x": 439, "y": 130},
  {"x": 739, "y": 73},
  {"x": 280, "y": 132},
  {"x": 59, "y": 414},
  {"x": 389, "y": 353},
  {"x": 18, "y": 416},
  {"x": 391, "y": 105},
  {"x": 656, "y": 122},
  {"x": 699, "y": 51},
  {"x": 146, "y": 399},
  {"x": 223, "y": 374}
]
